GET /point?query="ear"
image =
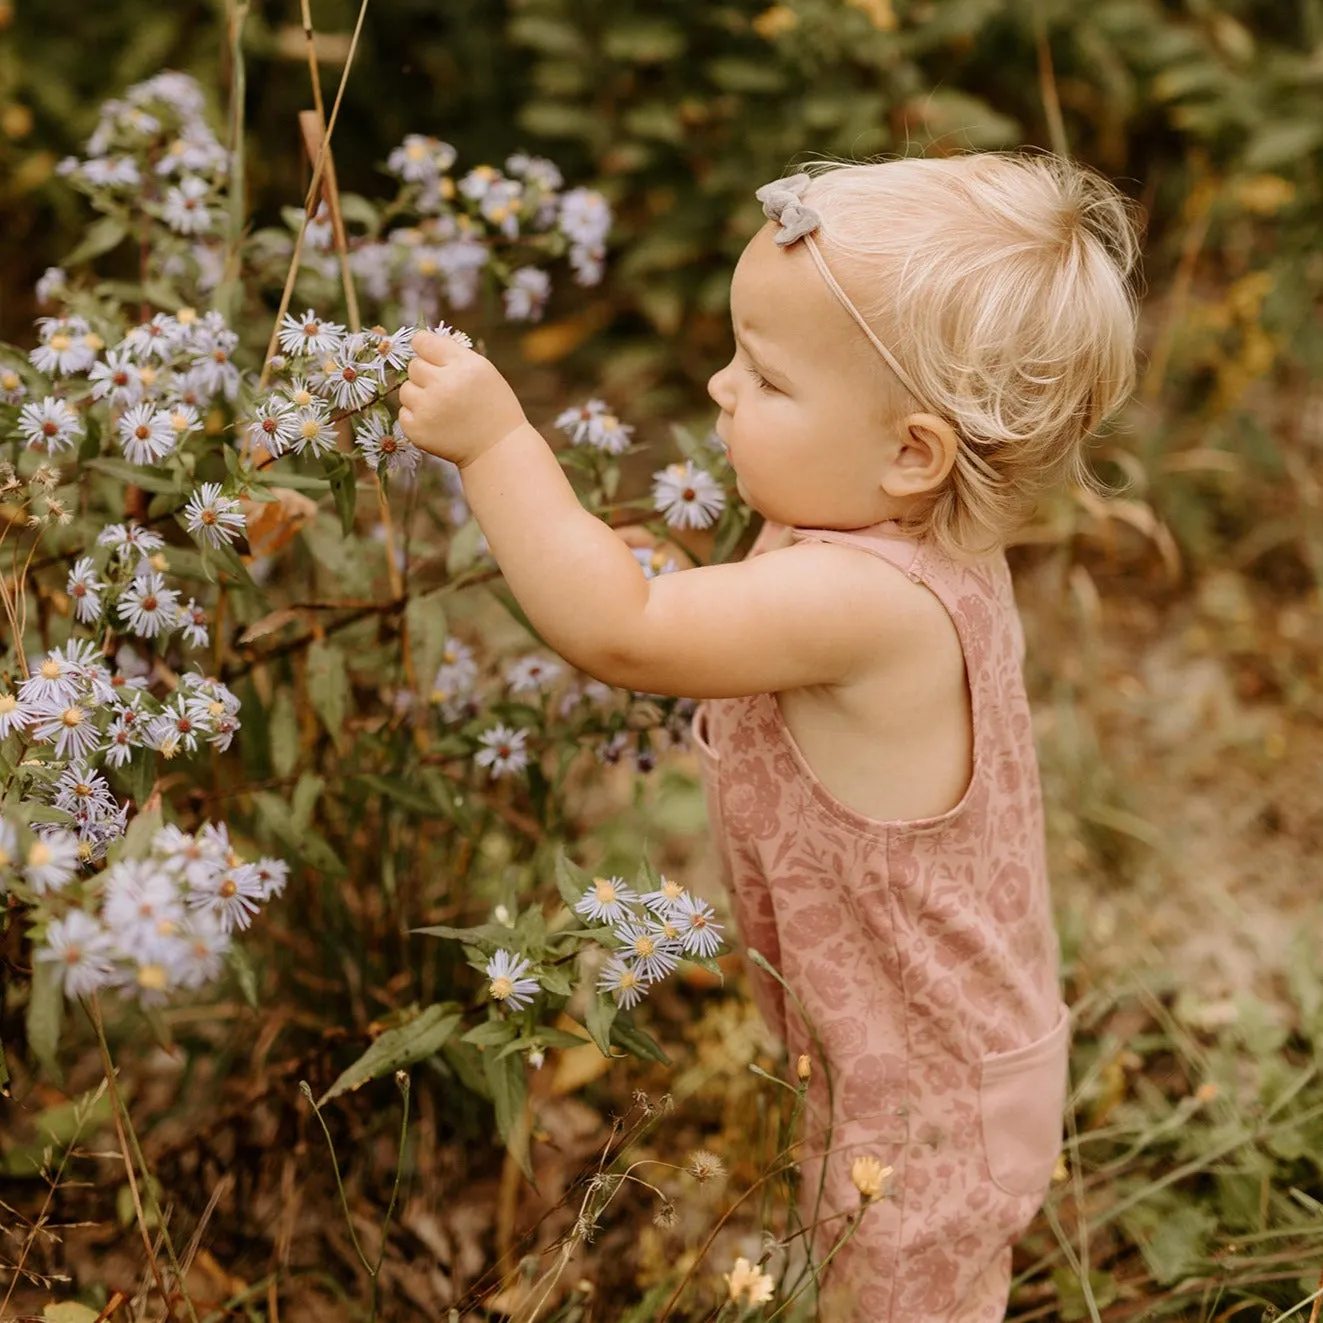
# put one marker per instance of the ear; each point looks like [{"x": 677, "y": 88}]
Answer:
[{"x": 924, "y": 455}]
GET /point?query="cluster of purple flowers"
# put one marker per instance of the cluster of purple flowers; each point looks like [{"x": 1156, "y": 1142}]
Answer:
[
  {"x": 148, "y": 927},
  {"x": 461, "y": 221}
]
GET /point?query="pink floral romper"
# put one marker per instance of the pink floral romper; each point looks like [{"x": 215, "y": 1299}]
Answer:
[{"x": 925, "y": 955}]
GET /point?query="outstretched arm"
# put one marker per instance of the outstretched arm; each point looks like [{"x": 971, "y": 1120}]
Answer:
[{"x": 806, "y": 614}]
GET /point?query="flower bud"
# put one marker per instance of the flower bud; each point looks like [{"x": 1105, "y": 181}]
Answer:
[{"x": 804, "y": 1067}]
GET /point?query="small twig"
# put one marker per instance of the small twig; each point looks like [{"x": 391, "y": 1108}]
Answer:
[
  {"x": 310, "y": 205},
  {"x": 1047, "y": 83},
  {"x": 1318, "y": 1301}
]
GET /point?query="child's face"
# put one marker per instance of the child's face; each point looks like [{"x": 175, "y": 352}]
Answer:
[{"x": 804, "y": 399}]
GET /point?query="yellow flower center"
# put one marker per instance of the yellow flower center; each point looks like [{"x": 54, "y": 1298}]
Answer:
[
  {"x": 302, "y": 398},
  {"x": 39, "y": 855},
  {"x": 93, "y": 341},
  {"x": 644, "y": 946},
  {"x": 501, "y": 988},
  {"x": 186, "y": 316},
  {"x": 227, "y": 888},
  {"x": 60, "y": 342},
  {"x": 50, "y": 669},
  {"x": 628, "y": 979},
  {"x": 151, "y": 977},
  {"x": 167, "y": 927},
  {"x": 147, "y": 375},
  {"x": 159, "y": 562},
  {"x": 215, "y": 707},
  {"x": 72, "y": 716},
  {"x": 606, "y": 893},
  {"x": 416, "y": 152},
  {"x": 8, "y": 702},
  {"x": 180, "y": 422},
  {"x": 311, "y": 429},
  {"x": 10, "y": 381}
]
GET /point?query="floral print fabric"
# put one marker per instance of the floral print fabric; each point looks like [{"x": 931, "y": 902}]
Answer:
[{"x": 925, "y": 957}]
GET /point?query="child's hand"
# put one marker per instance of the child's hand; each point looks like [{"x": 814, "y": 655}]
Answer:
[{"x": 456, "y": 404}]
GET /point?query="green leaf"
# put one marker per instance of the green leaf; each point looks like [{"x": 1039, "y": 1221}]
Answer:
[
  {"x": 646, "y": 41},
  {"x": 304, "y": 799},
  {"x": 284, "y": 729},
  {"x": 602, "y": 1011},
  {"x": 44, "y": 1018},
  {"x": 1072, "y": 1304},
  {"x": 1171, "y": 1235},
  {"x": 328, "y": 687},
  {"x": 1279, "y": 143},
  {"x": 69, "y": 1311},
  {"x": 423, "y": 1036},
  {"x": 484, "y": 932},
  {"x": 426, "y": 622},
  {"x": 147, "y": 476},
  {"x": 555, "y": 981},
  {"x": 509, "y": 1088},
  {"x": 546, "y": 1036},
  {"x": 548, "y": 35},
  {"x": 399, "y": 792},
  {"x": 571, "y": 880},
  {"x": 492, "y": 1033},
  {"x": 463, "y": 548},
  {"x": 732, "y": 73},
  {"x": 103, "y": 235},
  {"x": 307, "y": 844},
  {"x": 244, "y": 973},
  {"x": 633, "y": 1039},
  {"x": 344, "y": 487},
  {"x": 138, "y": 839}
]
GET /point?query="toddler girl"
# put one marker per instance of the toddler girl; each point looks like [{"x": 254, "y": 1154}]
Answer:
[{"x": 921, "y": 347}]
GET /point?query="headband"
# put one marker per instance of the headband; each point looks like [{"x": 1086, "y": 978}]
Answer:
[{"x": 782, "y": 202}]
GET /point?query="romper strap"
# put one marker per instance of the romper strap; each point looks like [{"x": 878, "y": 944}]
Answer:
[{"x": 882, "y": 540}]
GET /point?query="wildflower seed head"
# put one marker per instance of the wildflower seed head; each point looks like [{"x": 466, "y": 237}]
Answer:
[
  {"x": 665, "y": 1217},
  {"x": 705, "y": 1166}
]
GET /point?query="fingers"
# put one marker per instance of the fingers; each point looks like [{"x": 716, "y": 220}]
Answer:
[
  {"x": 406, "y": 422},
  {"x": 436, "y": 349},
  {"x": 422, "y": 371},
  {"x": 409, "y": 395}
]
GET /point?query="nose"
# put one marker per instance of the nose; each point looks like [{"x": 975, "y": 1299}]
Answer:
[{"x": 719, "y": 389}]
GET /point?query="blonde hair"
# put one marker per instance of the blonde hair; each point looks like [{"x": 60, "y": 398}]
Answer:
[{"x": 1001, "y": 283}]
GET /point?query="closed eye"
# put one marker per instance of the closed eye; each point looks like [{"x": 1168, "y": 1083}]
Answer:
[{"x": 763, "y": 383}]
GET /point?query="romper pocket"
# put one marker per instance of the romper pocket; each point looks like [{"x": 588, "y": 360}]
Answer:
[
  {"x": 710, "y": 764},
  {"x": 1022, "y": 1101}
]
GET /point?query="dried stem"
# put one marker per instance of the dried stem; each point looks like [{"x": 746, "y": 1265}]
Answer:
[
  {"x": 128, "y": 1139},
  {"x": 310, "y": 203}
]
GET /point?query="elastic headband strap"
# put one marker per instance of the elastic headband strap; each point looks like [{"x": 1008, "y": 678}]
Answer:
[{"x": 782, "y": 203}]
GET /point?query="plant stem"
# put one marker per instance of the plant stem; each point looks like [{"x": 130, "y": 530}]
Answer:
[
  {"x": 306, "y": 1090},
  {"x": 128, "y": 1138}
]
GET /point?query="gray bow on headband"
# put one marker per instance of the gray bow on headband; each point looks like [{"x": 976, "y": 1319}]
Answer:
[{"x": 781, "y": 203}]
